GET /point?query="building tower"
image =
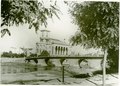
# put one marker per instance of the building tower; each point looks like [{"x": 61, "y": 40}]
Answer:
[
  {"x": 44, "y": 36},
  {"x": 44, "y": 43}
]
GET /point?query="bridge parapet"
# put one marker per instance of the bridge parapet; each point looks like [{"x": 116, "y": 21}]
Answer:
[{"x": 66, "y": 57}]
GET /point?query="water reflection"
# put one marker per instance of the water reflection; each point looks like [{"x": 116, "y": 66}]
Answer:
[
  {"x": 36, "y": 68},
  {"x": 12, "y": 68}
]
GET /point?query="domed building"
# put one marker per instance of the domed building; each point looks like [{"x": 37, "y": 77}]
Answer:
[{"x": 53, "y": 46}]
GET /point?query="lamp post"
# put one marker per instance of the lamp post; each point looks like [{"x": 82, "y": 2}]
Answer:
[{"x": 63, "y": 74}]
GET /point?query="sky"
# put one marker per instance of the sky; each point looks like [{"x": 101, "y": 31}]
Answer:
[
  {"x": 61, "y": 29},
  {"x": 21, "y": 36}
]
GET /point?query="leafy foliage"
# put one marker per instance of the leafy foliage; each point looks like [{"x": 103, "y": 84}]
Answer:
[
  {"x": 98, "y": 27},
  {"x": 47, "y": 60},
  {"x": 113, "y": 60},
  {"x": 26, "y": 11},
  {"x": 98, "y": 23},
  {"x": 12, "y": 55},
  {"x": 44, "y": 53},
  {"x": 4, "y": 31}
]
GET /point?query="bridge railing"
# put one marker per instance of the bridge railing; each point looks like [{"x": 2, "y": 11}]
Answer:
[{"x": 65, "y": 57}]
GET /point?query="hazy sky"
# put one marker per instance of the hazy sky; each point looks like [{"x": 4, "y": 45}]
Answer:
[
  {"x": 21, "y": 36},
  {"x": 60, "y": 29}
]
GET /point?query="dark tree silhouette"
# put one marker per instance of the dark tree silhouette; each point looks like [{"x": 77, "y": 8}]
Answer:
[
  {"x": 32, "y": 12},
  {"x": 98, "y": 27},
  {"x": 44, "y": 53},
  {"x": 47, "y": 60}
]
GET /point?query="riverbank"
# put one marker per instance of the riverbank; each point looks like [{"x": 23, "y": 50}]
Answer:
[
  {"x": 36, "y": 78},
  {"x": 18, "y": 72}
]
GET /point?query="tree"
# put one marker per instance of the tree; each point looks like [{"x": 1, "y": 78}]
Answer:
[
  {"x": 47, "y": 60},
  {"x": 6, "y": 54},
  {"x": 98, "y": 26},
  {"x": 45, "y": 53},
  {"x": 32, "y": 12}
]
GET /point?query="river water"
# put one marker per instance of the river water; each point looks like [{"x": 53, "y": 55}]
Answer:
[{"x": 18, "y": 65}]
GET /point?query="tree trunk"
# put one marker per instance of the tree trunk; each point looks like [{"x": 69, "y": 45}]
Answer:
[{"x": 104, "y": 67}]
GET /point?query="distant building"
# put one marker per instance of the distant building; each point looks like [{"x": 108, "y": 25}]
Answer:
[{"x": 55, "y": 47}]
